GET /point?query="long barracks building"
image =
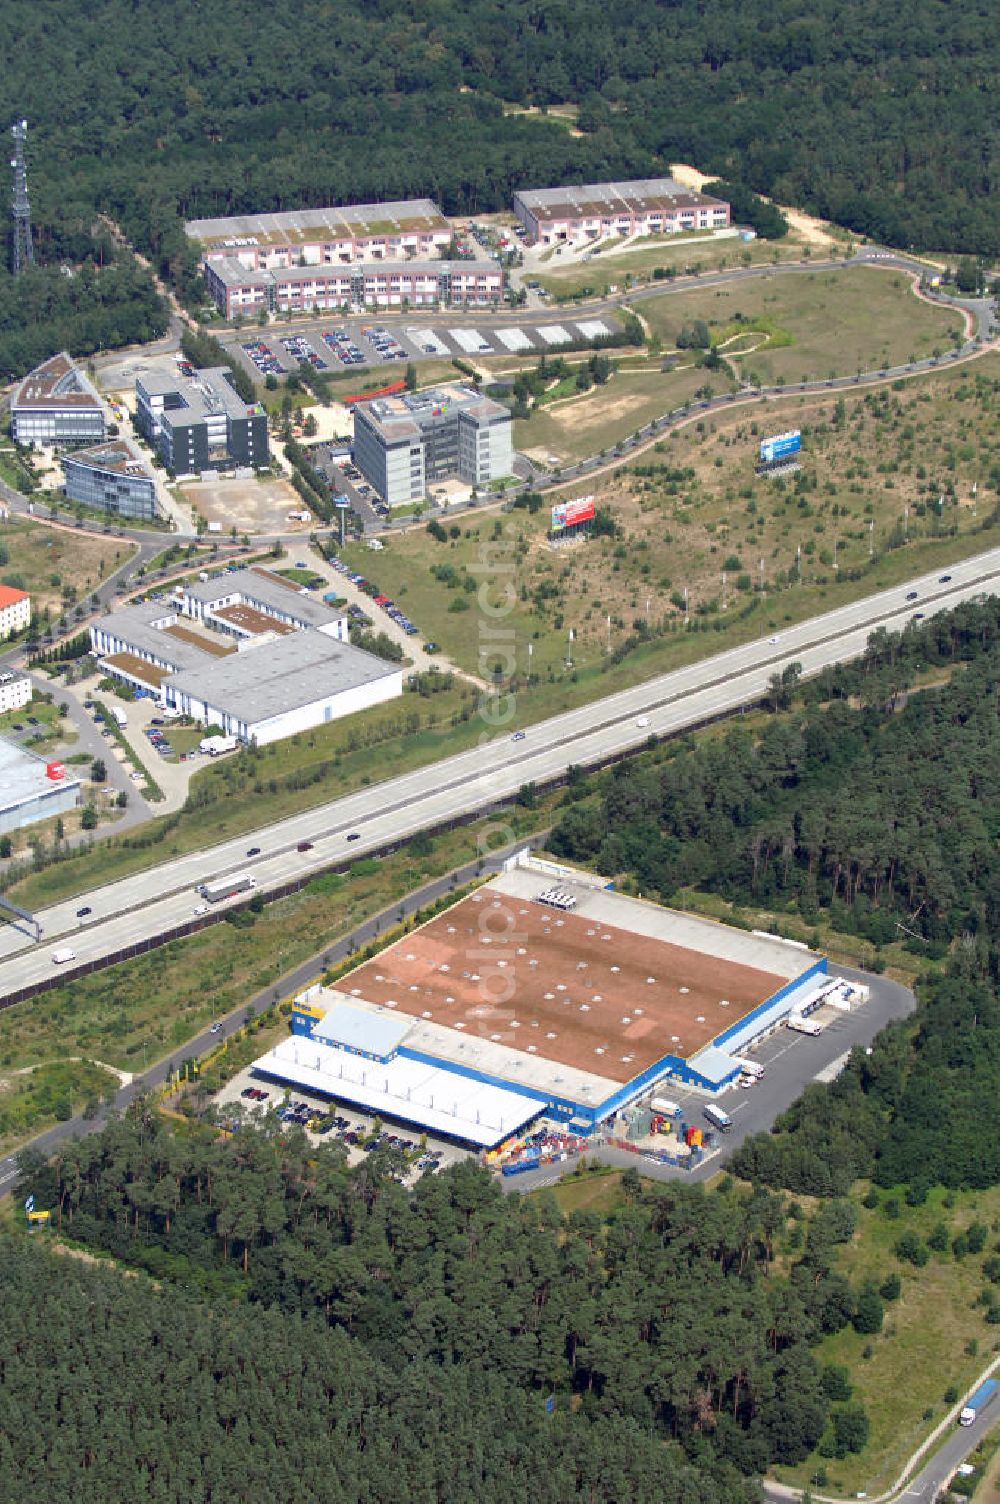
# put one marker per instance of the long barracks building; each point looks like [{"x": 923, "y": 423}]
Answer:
[{"x": 238, "y": 289}]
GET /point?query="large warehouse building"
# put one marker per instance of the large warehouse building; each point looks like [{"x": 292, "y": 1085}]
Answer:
[
  {"x": 247, "y": 652},
  {"x": 648, "y": 206},
  {"x": 572, "y": 1002},
  {"x": 32, "y": 789},
  {"x": 324, "y": 237},
  {"x": 403, "y": 444}
]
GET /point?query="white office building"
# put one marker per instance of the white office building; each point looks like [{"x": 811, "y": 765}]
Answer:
[{"x": 404, "y": 444}]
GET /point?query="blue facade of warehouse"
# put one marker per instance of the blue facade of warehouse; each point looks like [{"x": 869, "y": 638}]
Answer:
[{"x": 712, "y": 1068}]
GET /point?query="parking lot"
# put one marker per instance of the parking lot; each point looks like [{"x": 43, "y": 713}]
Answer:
[
  {"x": 324, "y": 1121},
  {"x": 338, "y": 343}
]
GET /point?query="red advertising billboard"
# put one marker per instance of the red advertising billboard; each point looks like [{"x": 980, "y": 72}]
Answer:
[
  {"x": 569, "y": 513},
  {"x": 55, "y": 771}
]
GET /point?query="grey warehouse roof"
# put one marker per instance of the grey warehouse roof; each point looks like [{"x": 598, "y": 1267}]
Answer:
[
  {"x": 301, "y": 224},
  {"x": 22, "y": 776},
  {"x": 254, "y": 587},
  {"x": 355, "y": 1029},
  {"x": 136, "y": 626},
  {"x": 262, "y": 682}
]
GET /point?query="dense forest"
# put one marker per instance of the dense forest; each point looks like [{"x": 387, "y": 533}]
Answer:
[
  {"x": 80, "y": 308},
  {"x": 878, "y": 116},
  {"x": 879, "y": 814},
  {"x": 920, "y": 1110},
  {"x": 443, "y": 1332}
]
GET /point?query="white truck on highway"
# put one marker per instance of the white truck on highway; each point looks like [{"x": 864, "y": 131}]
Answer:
[
  {"x": 227, "y": 887},
  {"x": 64, "y": 954}
]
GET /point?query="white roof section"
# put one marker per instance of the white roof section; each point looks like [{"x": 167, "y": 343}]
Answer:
[
  {"x": 271, "y": 678},
  {"x": 441, "y": 1101},
  {"x": 359, "y": 1029},
  {"x": 489, "y": 1057},
  {"x": 741, "y": 947},
  {"x": 714, "y": 1064},
  {"x": 23, "y": 776},
  {"x": 257, "y": 588}
]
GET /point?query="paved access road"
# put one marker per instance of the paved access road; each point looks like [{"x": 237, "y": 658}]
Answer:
[
  {"x": 157, "y": 902},
  {"x": 925, "y": 1486}
]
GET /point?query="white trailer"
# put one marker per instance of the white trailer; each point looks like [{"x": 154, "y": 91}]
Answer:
[
  {"x": 119, "y": 715},
  {"x": 227, "y": 887},
  {"x": 64, "y": 954},
  {"x": 215, "y": 746}
]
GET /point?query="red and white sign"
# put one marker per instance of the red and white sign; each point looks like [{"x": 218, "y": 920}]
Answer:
[
  {"x": 569, "y": 513},
  {"x": 55, "y": 771}
]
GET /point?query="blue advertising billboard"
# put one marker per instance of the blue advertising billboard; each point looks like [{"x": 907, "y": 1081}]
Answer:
[{"x": 780, "y": 447}]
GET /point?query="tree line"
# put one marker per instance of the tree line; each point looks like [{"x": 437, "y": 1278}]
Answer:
[{"x": 878, "y": 813}]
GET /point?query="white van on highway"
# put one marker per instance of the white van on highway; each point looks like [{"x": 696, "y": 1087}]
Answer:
[{"x": 61, "y": 956}]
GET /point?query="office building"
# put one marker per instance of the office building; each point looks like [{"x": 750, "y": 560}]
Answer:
[
  {"x": 56, "y": 404},
  {"x": 15, "y": 690},
  {"x": 246, "y": 651},
  {"x": 649, "y": 206},
  {"x": 112, "y": 477},
  {"x": 243, "y": 292},
  {"x": 404, "y": 444},
  {"x": 201, "y": 422}
]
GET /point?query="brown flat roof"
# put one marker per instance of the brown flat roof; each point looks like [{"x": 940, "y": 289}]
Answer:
[
  {"x": 581, "y": 993},
  {"x": 138, "y": 667},
  {"x": 215, "y": 648},
  {"x": 252, "y": 620}
]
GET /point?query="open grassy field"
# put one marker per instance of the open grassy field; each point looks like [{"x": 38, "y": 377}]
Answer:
[
  {"x": 693, "y": 515},
  {"x": 934, "y": 1336},
  {"x": 590, "y": 1193},
  {"x": 584, "y": 425},
  {"x": 33, "y": 1098},
  {"x": 837, "y": 322},
  {"x": 610, "y": 268},
  {"x": 57, "y": 565}
]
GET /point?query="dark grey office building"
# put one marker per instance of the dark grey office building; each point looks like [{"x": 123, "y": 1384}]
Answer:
[{"x": 201, "y": 422}]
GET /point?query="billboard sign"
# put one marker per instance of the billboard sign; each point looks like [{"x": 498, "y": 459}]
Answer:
[
  {"x": 570, "y": 513},
  {"x": 780, "y": 447}
]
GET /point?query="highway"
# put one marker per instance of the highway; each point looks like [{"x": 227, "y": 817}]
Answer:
[{"x": 155, "y": 903}]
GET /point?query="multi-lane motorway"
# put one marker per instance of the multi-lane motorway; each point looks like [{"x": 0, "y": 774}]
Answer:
[{"x": 157, "y": 902}]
